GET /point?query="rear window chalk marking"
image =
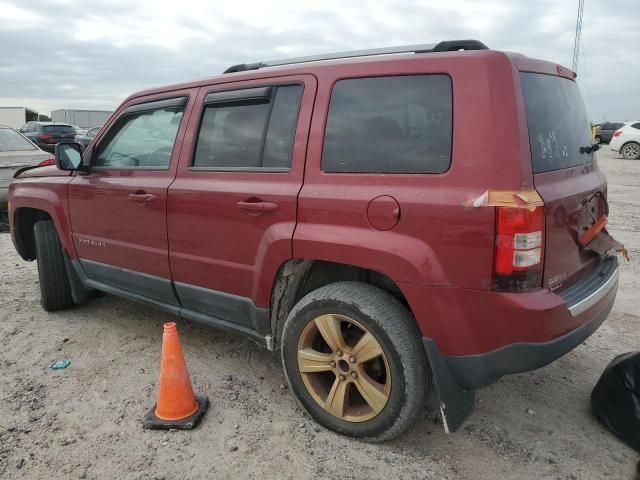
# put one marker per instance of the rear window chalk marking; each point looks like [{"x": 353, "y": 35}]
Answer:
[{"x": 550, "y": 147}]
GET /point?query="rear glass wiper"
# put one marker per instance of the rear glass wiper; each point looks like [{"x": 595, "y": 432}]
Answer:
[{"x": 590, "y": 148}]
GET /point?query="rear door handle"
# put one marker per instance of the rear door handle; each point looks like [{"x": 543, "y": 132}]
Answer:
[
  {"x": 142, "y": 197},
  {"x": 258, "y": 206}
]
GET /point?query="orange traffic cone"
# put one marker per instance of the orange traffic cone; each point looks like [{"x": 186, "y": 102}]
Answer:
[{"x": 177, "y": 406}]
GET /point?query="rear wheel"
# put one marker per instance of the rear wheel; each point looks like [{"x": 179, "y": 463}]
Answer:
[
  {"x": 55, "y": 289},
  {"x": 631, "y": 151},
  {"x": 598, "y": 139},
  {"x": 352, "y": 355}
]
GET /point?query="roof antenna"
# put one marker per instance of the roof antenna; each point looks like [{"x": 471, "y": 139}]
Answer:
[{"x": 576, "y": 41}]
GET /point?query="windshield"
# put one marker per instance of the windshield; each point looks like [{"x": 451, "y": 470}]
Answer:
[
  {"x": 58, "y": 129},
  {"x": 558, "y": 122},
  {"x": 12, "y": 141}
]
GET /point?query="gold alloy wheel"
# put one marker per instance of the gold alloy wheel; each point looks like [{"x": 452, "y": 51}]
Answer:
[{"x": 344, "y": 368}]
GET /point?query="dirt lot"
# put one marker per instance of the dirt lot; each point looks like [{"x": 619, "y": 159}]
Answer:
[{"x": 85, "y": 421}]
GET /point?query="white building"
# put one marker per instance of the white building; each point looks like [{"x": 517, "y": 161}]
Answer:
[
  {"x": 81, "y": 118},
  {"x": 15, "y": 117}
]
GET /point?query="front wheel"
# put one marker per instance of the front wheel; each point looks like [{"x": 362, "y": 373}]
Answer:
[
  {"x": 353, "y": 358},
  {"x": 55, "y": 289},
  {"x": 631, "y": 151}
]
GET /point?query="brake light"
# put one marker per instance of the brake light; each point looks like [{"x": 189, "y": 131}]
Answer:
[
  {"x": 617, "y": 133},
  {"x": 519, "y": 249},
  {"x": 44, "y": 137},
  {"x": 48, "y": 161}
]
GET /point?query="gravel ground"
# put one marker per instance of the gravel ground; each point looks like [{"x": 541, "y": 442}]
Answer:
[{"x": 85, "y": 421}]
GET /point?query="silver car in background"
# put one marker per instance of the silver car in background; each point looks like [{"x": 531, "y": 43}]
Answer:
[{"x": 16, "y": 151}]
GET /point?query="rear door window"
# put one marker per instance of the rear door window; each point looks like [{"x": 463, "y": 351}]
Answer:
[
  {"x": 396, "y": 124},
  {"x": 254, "y": 134},
  {"x": 558, "y": 122}
]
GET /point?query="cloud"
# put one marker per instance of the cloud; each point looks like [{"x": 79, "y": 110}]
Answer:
[{"x": 63, "y": 54}]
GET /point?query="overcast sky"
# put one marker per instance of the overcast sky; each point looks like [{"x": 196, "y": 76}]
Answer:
[{"x": 92, "y": 54}]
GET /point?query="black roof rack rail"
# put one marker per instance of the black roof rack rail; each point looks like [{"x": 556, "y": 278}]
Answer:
[{"x": 447, "y": 46}]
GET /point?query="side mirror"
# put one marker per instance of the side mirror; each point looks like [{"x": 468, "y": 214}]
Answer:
[{"x": 68, "y": 156}]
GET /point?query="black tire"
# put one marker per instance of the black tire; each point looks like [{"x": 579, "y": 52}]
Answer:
[
  {"x": 630, "y": 151},
  {"x": 394, "y": 329},
  {"x": 598, "y": 139},
  {"x": 55, "y": 289}
]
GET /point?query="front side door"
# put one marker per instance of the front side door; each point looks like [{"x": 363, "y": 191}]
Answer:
[
  {"x": 232, "y": 208},
  {"x": 118, "y": 209}
]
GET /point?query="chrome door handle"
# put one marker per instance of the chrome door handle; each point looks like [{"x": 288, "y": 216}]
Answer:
[
  {"x": 258, "y": 206},
  {"x": 142, "y": 197}
]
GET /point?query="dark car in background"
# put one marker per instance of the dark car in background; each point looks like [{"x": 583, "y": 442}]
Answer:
[
  {"x": 85, "y": 139},
  {"x": 47, "y": 134},
  {"x": 604, "y": 132},
  {"x": 16, "y": 152}
]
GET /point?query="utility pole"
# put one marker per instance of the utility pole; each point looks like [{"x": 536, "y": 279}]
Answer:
[{"x": 576, "y": 41}]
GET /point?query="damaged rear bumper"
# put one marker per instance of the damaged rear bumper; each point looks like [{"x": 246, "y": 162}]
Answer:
[{"x": 457, "y": 377}]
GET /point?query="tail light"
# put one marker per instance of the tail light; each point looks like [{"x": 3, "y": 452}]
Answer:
[
  {"x": 44, "y": 137},
  {"x": 617, "y": 133},
  {"x": 48, "y": 161},
  {"x": 518, "y": 257}
]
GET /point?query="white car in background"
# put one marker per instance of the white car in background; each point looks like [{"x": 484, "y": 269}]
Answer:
[
  {"x": 626, "y": 141},
  {"x": 16, "y": 151}
]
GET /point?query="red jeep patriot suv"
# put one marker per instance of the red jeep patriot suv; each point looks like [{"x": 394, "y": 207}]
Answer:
[{"x": 384, "y": 218}]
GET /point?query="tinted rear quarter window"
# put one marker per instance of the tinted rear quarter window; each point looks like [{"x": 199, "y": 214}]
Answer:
[
  {"x": 396, "y": 124},
  {"x": 557, "y": 120}
]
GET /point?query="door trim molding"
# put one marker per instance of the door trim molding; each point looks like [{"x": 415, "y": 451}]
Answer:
[
  {"x": 149, "y": 286},
  {"x": 221, "y": 310},
  {"x": 227, "y": 307}
]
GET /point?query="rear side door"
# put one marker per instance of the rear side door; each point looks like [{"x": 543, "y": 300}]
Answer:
[
  {"x": 118, "y": 209},
  {"x": 634, "y": 132},
  {"x": 232, "y": 208}
]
